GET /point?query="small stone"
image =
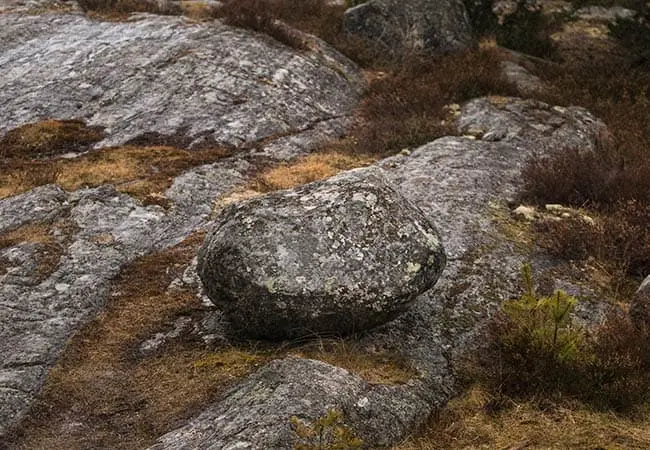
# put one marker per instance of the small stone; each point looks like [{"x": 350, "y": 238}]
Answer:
[{"x": 528, "y": 213}]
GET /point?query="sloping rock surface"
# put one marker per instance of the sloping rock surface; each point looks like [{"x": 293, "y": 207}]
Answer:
[
  {"x": 463, "y": 184},
  {"x": 206, "y": 83},
  {"x": 337, "y": 256},
  {"x": 405, "y": 27},
  {"x": 203, "y": 84}
]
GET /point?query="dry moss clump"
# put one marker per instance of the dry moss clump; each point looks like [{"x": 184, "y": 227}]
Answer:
[
  {"x": 48, "y": 138},
  {"x": 374, "y": 367},
  {"x": 143, "y": 172},
  {"x": 314, "y": 167}
]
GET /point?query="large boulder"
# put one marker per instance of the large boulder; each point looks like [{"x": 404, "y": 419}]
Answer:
[
  {"x": 413, "y": 26},
  {"x": 337, "y": 256}
]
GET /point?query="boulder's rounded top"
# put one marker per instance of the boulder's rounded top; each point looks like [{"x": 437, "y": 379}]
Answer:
[{"x": 337, "y": 256}]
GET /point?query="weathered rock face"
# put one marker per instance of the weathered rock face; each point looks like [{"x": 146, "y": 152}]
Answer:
[
  {"x": 413, "y": 26},
  {"x": 202, "y": 84},
  {"x": 463, "y": 184},
  {"x": 337, "y": 256},
  {"x": 207, "y": 82},
  {"x": 640, "y": 307}
]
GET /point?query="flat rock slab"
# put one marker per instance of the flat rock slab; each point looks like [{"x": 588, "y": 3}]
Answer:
[
  {"x": 200, "y": 84},
  {"x": 463, "y": 184},
  {"x": 334, "y": 257}
]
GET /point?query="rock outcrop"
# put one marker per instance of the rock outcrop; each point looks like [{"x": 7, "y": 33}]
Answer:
[
  {"x": 404, "y": 28},
  {"x": 132, "y": 78},
  {"x": 201, "y": 83},
  {"x": 463, "y": 184},
  {"x": 332, "y": 257}
]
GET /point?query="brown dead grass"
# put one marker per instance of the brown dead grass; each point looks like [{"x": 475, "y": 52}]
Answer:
[
  {"x": 466, "y": 423},
  {"x": 49, "y": 137},
  {"x": 143, "y": 172},
  {"x": 375, "y": 368},
  {"x": 314, "y": 167},
  {"x": 407, "y": 104},
  {"x": 103, "y": 393}
]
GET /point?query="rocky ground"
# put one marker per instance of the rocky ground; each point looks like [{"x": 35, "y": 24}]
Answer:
[{"x": 68, "y": 256}]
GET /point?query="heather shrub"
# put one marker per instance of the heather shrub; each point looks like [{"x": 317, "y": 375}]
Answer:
[{"x": 527, "y": 30}]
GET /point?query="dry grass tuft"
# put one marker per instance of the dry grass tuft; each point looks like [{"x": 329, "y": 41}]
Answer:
[
  {"x": 143, "y": 172},
  {"x": 468, "y": 423},
  {"x": 120, "y": 9},
  {"x": 48, "y": 138},
  {"x": 376, "y": 368},
  {"x": 314, "y": 167}
]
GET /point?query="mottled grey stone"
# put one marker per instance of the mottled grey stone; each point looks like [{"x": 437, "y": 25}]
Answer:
[
  {"x": 463, "y": 185},
  {"x": 408, "y": 27},
  {"x": 200, "y": 83},
  {"x": 41, "y": 204},
  {"x": 336, "y": 256},
  {"x": 203, "y": 83}
]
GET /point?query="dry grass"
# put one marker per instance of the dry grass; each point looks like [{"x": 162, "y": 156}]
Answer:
[
  {"x": 120, "y": 9},
  {"x": 317, "y": 166},
  {"x": 466, "y": 423},
  {"x": 376, "y": 368},
  {"x": 49, "y": 137},
  {"x": 406, "y": 105},
  {"x": 143, "y": 172},
  {"x": 103, "y": 393},
  {"x": 116, "y": 398}
]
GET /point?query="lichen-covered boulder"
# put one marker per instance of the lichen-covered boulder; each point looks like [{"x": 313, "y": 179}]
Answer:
[
  {"x": 337, "y": 256},
  {"x": 405, "y": 27}
]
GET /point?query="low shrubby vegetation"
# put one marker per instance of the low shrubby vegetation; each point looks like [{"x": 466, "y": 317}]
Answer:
[
  {"x": 612, "y": 181},
  {"x": 536, "y": 350}
]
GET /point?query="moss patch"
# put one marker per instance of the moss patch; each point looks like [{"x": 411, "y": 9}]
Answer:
[
  {"x": 49, "y": 137},
  {"x": 143, "y": 172}
]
